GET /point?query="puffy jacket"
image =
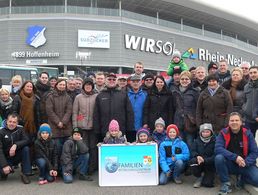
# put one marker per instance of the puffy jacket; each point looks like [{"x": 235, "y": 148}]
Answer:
[
  {"x": 169, "y": 148},
  {"x": 111, "y": 103},
  {"x": 5, "y": 108},
  {"x": 47, "y": 150},
  {"x": 114, "y": 140},
  {"x": 71, "y": 150},
  {"x": 171, "y": 66},
  {"x": 137, "y": 100},
  {"x": 83, "y": 109},
  {"x": 250, "y": 149},
  {"x": 159, "y": 137},
  {"x": 223, "y": 77},
  {"x": 7, "y": 139}
]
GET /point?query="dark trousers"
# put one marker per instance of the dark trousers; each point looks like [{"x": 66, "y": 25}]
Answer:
[
  {"x": 90, "y": 139},
  {"x": 209, "y": 173}
]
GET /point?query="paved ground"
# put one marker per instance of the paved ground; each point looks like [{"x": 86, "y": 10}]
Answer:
[{"x": 14, "y": 186}]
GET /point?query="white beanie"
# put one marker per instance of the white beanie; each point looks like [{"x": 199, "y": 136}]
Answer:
[
  {"x": 176, "y": 53},
  {"x": 160, "y": 121}
]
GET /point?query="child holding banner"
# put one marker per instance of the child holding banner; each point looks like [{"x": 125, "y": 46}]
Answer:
[{"x": 173, "y": 155}]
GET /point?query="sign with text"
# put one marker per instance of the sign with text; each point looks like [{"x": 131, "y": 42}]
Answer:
[
  {"x": 128, "y": 165},
  {"x": 93, "y": 39}
]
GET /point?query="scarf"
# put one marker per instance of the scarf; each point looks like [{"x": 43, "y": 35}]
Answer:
[
  {"x": 233, "y": 90},
  {"x": 27, "y": 112},
  {"x": 212, "y": 91}
]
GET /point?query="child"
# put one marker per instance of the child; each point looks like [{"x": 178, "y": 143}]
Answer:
[
  {"x": 176, "y": 61},
  {"x": 75, "y": 155},
  {"x": 143, "y": 136},
  {"x": 173, "y": 154},
  {"x": 46, "y": 155},
  {"x": 159, "y": 133},
  {"x": 5, "y": 103},
  {"x": 114, "y": 135},
  {"x": 203, "y": 157}
]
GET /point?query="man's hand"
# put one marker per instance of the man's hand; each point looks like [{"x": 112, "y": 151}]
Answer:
[
  {"x": 240, "y": 161},
  {"x": 7, "y": 170},
  {"x": 60, "y": 125},
  {"x": 12, "y": 150},
  {"x": 200, "y": 160}
]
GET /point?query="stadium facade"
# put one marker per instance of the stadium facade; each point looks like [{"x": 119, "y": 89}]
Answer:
[{"x": 112, "y": 35}]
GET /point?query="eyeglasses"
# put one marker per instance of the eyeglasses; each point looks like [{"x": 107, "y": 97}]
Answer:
[
  {"x": 111, "y": 79},
  {"x": 148, "y": 79}
]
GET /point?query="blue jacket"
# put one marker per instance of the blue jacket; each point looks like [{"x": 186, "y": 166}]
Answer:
[
  {"x": 251, "y": 146},
  {"x": 159, "y": 137},
  {"x": 137, "y": 100},
  {"x": 169, "y": 148}
]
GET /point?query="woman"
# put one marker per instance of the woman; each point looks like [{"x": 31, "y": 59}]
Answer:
[
  {"x": 158, "y": 104},
  {"x": 235, "y": 87},
  {"x": 59, "y": 112},
  {"x": 16, "y": 84},
  {"x": 83, "y": 108},
  {"x": 26, "y": 105},
  {"x": 185, "y": 99},
  {"x": 214, "y": 105},
  {"x": 5, "y": 104}
]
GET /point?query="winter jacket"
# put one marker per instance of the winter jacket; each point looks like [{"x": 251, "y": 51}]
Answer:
[
  {"x": 71, "y": 151},
  {"x": 7, "y": 139},
  {"x": 250, "y": 107},
  {"x": 159, "y": 137},
  {"x": 200, "y": 86},
  {"x": 120, "y": 139},
  {"x": 47, "y": 150},
  {"x": 214, "y": 109},
  {"x": 171, "y": 66},
  {"x": 59, "y": 109},
  {"x": 169, "y": 149},
  {"x": 137, "y": 101},
  {"x": 5, "y": 108},
  {"x": 158, "y": 104},
  {"x": 223, "y": 77},
  {"x": 185, "y": 104},
  {"x": 111, "y": 103},
  {"x": 83, "y": 108},
  {"x": 250, "y": 149},
  {"x": 205, "y": 150},
  {"x": 239, "y": 100}
]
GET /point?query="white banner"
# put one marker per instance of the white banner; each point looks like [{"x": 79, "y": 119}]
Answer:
[{"x": 93, "y": 39}]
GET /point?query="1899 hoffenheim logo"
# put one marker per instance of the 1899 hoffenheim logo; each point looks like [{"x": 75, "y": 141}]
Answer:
[
  {"x": 111, "y": 164},
  {"x": 36, "y": 36}
]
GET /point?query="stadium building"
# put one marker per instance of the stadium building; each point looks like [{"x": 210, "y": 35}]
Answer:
[{"x": 111, "y": 35}]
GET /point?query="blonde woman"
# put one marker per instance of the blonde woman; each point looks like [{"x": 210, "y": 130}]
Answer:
[
  {"x": 16, "y": 83},
  {"x": 5, "y": 103}
]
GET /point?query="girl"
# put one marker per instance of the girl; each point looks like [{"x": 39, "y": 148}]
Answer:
[
  {"x": 114, "y": 135},
  {"x": 143, "y": 136},
  {"x": 159, "y": 133}
]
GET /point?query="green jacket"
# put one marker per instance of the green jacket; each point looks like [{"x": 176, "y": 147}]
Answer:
[{"x": 171, "y": 66}]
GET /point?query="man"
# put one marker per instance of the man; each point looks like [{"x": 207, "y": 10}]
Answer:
[
  {"x": 137, "y": 98},
  {"x": 138, "y": 69},
  {"x": 43, "y": 88},
  {"x": 236, "y": 152},
  {"x": 148, "y": 81},
  {"x": 122, "y": 83},
  {"x": 223, "y": 72},
  {"x": 71, "y": 84},
  {"x": 200, "y": 81},
  {"x": 173, "y": 83},
  {"x": 250, "y": 107},
  {"x": 14, "y": 149},
  {"x": 78, "y": 85},
  {"x": 192, "y": 70},
  {"x": 245, "y": 67},
  {"x": 112, "y": 103},
  {"x": 212, "y": 68},
  {"x": 100, "y": 81}
]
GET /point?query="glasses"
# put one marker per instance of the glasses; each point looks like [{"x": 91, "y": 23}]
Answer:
[
  {"x": 184, "y": 79},
  {"x": 148, "y": 79},
  {"x": 111, "y": 79}
]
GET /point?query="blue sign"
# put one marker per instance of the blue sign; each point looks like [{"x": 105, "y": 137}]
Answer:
[{"x": 36, "y": 36}]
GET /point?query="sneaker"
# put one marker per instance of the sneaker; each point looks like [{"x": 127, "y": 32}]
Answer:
[
  {"x": 178, "y": 180},
  {"x": 198, "y": 182},
  {"x": 42, "y": 181},
  {"x": 239, "y": 183},
  {"x": 225, "y": 188},
  {"x": 25, "y": 179},
  {"x": 85, "y": 177}
]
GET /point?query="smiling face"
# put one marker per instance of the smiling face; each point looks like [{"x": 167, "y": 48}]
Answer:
[
  {"x": 44, "y": 135},
  {"x": 88, "y": 87},
  {"x": 4, "y": 96},
  {"x": 61, "y": 86},
  {"x": 28, "y": 88},
  {"x": 235, "y": 123},
  {"x": 253, "y": 72},
  {"x": 111, "y": 82},
  {"x": 143, "y": 138},
  {"x": 185, "y": 81},
  {"x": 213, "y": 84},
  {"x": 159, "y": 128},
  {"x": 236, "y": 76},
  {"x": 43, "y": 78},
  {"x": 172, "y": 133},
  {"x": 159, "y": 84}
]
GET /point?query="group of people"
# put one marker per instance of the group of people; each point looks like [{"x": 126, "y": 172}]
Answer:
[{"x": 194, "y": 117}]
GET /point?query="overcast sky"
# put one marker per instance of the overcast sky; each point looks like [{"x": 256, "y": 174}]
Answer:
[{"x": 244, "y": 8}]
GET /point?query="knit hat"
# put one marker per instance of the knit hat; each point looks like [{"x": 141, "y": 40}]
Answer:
[
  {"x": 88, "y": 80},
  {"x": 113, "y": 125},
  {"x": 203, "y": 127},
  {"x": 176, "y": 53},
  {"x": 45, "y": 128},
  {"x": 142, "y": 130},
  {"x": 212, "y": 65},
  {"x": 147, "y": 76},
  {"x": 160, "y": 121},
  {"x": 172, "y": 126},
  {"x": 77, "y": 130}
]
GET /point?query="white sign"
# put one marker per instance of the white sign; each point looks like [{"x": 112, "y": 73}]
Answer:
[{"x": 93, "y": 39}]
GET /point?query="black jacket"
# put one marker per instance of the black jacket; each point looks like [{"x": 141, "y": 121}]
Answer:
[
  {"x": 7, "y": 139},
  {"x": 47, "y": 150},
  {"x": 112, "y": 104}
]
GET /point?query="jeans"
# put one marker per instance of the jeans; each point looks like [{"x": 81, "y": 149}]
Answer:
[
  {"x": 188, "y": 138},
  {"x": 59, "y": 144},
  {"x": 225, "y": 167},
  {"x": 176, "y": 171},
  {"x": 43, "y": 169},
  {"x": 82, "y": 163}
]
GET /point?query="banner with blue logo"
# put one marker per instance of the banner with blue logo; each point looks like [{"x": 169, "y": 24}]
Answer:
[{"x": 128, "y": 165}]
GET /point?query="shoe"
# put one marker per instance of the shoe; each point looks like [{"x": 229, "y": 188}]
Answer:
[
  {"x": 225, "y": 188},
  {"x": 198, "y": 182},
  {"x": 42, "y": 181},
  {"x": 239, "y": 183},
  {"x": 4, "y": 177},
  {"x": 85, "y": 177},
  {"x": 178, "y": 180},
  {"x": 25, "y": 179}
]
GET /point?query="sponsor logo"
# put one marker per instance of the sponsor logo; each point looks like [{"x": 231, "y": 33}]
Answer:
[
  {"x": 36, "y": 36},
  {"x": 111, "y": 164},
  {"x": 190, "y": 54}
]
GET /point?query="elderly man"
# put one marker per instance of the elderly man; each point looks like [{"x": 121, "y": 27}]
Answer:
[
  {"x": 245, "y": 67},
  {"x": 14, "y": 149},
  {"x": 200, "y": 82},
  {"x": 236, "y": 152}
]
